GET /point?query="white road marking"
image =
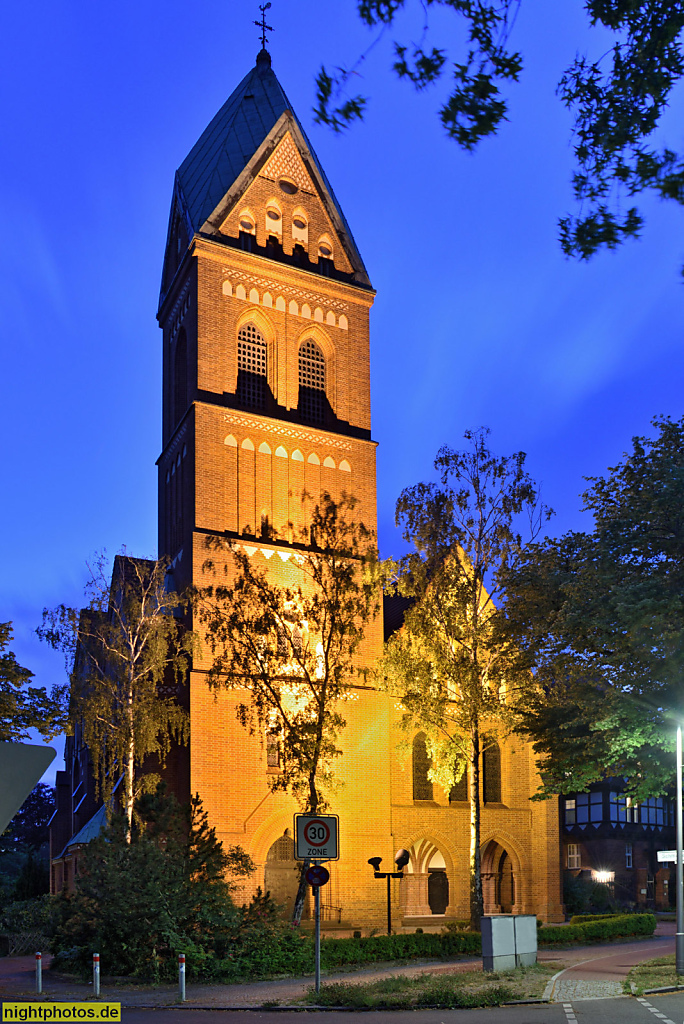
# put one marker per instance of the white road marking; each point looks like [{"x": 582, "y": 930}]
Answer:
[{"x": 654, "y": 1010}]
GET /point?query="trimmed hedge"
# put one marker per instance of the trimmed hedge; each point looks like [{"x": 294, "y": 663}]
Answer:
[
  {"x": 340, "y": 952},
  {"x": 583, "y": 918},
  {"x": 291, "y": 952},
  {"x": 621, "y": 927},
  {"x": 337, "y": 952}
]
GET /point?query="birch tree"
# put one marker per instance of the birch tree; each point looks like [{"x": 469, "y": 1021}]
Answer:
[
  {"x": 458, "y": 679},
  {"x": 126, "y": 655},
  {"x": 290, "y": 651}
]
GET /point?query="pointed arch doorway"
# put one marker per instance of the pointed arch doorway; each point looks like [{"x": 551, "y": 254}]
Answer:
[
  {"x": 500, "y": 886},
  {"x": 426, "y": 882},
  {"x": 281, "y": 874}
]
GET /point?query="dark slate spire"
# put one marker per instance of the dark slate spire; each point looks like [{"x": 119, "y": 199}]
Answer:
[
  {"x": 223, "y": 152},
  {"x": 225, "y": 147}
]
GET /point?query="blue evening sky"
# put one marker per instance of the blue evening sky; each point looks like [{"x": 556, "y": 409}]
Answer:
[{"x": 479, "y": 319}]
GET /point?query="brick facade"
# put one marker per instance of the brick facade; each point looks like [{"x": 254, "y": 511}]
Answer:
[{"x": 227, "y": 468}]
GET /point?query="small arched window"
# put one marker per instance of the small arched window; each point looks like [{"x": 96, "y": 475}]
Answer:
[
  {"x": 422, "y": 787},
  {"x": 180, "y": 376},
  {"x": 252, "y": 368},
  {"x": 300, "y": 227},
  {"x": 312, "y": 400},
  {"x": 491, "y": 771},
  {"x": 247, "y": 230}
]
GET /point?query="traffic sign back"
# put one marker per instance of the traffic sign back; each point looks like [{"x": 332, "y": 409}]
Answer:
[{"x": 316, "y": 837}]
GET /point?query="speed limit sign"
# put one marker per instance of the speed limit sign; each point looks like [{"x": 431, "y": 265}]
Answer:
[{"x": 316, "y": 837}]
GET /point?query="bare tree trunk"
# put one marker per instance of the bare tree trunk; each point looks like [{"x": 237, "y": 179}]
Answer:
[
  {"x": 476, "y": 901},
  {"x": 298, "y": 908},
  {"x": 129, "y": 767}
]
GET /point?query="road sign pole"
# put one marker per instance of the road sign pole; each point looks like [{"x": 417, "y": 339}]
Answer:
[
  {"x": 679, "y": 938},
  {"x": 317, "y": 911},
  {"x": 389, "y": 906}
]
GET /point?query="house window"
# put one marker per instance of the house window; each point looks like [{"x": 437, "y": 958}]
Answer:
[
  {"x": 622, "y": 809},
  {"x": 654, "y": 811},
  {"x": 251, "y": 387},
  {"x": 595, "y": 807},
  {"x": 422, "y": 787},
  {"x": 574, "y": 857},
  {"x": 570, "y": 811},
  {"x": 491, "y": 770},
  {"x": 628, "y": 855},
  {"x": 311, "y": 382}
]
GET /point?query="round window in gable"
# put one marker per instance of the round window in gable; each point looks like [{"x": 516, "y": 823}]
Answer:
[
  {"x": 325, "y": 250},
  {"x": 299, "y": 222},
  {"x": 288, "y": 187},
  {"x": 273, "y": 213},
  {"x": 246, "y": 224}
]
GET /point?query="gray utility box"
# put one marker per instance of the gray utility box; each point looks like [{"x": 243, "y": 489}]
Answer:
[{"x": 508, "y": 940}]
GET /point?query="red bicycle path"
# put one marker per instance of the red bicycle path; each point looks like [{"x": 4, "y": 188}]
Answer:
[{"x": 598, "y": 963}]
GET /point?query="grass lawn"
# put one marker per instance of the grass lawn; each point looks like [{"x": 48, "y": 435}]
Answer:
[
  {"x": 460, "y": 989},
  {"x": 656, "y": 973}
]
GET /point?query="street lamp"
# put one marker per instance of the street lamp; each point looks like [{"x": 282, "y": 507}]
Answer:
[{"x": 401, "y": 859}]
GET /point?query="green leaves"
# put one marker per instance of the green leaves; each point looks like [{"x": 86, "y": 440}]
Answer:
[
  {"x": 475, "y": 107},
  {"x": 24, "y": 707},
  {"x": 600, "y": 617},
  {"x": 618, "y": 103},
  {"x": 127, "y": 657},
  {"x": 168, "y": 890},
  {"x": 292, "y": 646},
  {"x": 458, "y": 676}
]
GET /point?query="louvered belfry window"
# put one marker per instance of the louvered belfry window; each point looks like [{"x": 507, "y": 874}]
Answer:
[
  {"x": 251, "y": 367},
  {"x": 312, "y": 382}
]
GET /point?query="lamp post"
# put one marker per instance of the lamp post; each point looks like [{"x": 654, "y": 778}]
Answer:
[
  {"x": 401, "y": 860},
  {"x": 679, "y": 938}
]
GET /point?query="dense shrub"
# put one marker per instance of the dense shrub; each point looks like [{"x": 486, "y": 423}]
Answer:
[
  {"x": 583, "y": 918},
  {"x": 142, "y": 902},
  {"x": 585, "y": 897}
]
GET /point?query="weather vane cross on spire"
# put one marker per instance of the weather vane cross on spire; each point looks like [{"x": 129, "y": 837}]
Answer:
[{"x": 262, "y": 24}]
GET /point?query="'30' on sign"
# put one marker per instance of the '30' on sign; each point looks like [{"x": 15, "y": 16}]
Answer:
[{"x": 316, "y": 836}]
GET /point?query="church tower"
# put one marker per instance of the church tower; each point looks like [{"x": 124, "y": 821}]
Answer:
[{"x": 264, "y": 309}]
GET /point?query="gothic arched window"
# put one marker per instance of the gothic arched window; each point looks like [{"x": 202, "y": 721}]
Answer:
[
  {"x": 312, "y": 399},
  {"x": 459, "y": 790},
  {"x": 422, "y": 787},
  {"x": 491, "y": 772},
  {"x": 251, "y": 383},
  {"x": 180, "y": 376}
]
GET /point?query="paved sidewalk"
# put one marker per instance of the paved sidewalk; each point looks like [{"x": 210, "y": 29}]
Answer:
[
  {"x": 587, "y": 972},
  {"x": 602, "y": 975}
]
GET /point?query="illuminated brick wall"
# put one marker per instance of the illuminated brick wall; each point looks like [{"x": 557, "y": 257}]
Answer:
[{"x": 224, "y": 469}]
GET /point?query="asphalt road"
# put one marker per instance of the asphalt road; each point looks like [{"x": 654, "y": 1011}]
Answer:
[{"x": 663, "y": 1009}]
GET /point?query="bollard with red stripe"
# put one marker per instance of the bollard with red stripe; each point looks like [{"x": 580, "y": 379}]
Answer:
[
  {"x": 181, "y": 976},
  {"x": 96, "y": 974},
  {"x": 39, "y": 973}
]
